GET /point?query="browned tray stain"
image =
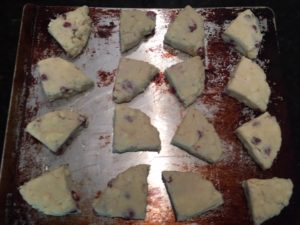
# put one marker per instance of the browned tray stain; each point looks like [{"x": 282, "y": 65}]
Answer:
[{"x": 22, "y": 154}]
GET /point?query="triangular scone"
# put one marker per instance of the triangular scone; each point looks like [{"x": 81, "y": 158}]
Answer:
[
  {"x": 262, "y": 138},
  {"x": 134, "y": 26},
  {"x": 133, "y": 77},
  {"x": 54, "y": 128},
  {"x": 133, "y": 131},
  {"x": 244, "y": 31},
  {"x": 248, "y": 85},
  {"x": 187, "y": 78},
  {"x": 50, "y": 193},
  {"x": 72, "y": 30},
  {"x": 198, "y": 137},
  {"x": 61, "y": 79},
  {"x": 186, "y": 33},
  {"x": 190, "y": 194},
  {"x": 267, "y": 197},
  {"x": 125, "y": 195}
]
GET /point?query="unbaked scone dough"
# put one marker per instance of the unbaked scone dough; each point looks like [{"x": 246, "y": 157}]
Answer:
[
  {"x": 198, "y": 137},
  {"x": 267, "y": 197},
  {"x": 61, "y": 79},
  {"x": 125, "y": 195},
  {"x": 54, "y": 128},
  {"x": 262, "y": 138},
  {"x": 187, "y": 78},
  {"x": 133, "y": 131},
  {"x": 190, "y": 194},
  {"x": 186, "y": 32},
  {"x": 244, "y": 31},
  {"x": 132, "y": 78},
  {"x": 72, "y": 30},
  {"x": 50, "y": 193},
  {"x": 248, "y": 85},
  {"x": 134, "y": 26}
]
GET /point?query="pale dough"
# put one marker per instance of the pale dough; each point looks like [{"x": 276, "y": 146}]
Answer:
[
  {"x": 190, "y": 194},
  {"x": 54, "y": 128},
  {"x": 267, "y": 197},
  {"x": 198, "y": 137},
  {"x": 187, "y": 78},
  {"x": 133, "y": 131},
  {"x": 134, "y": 26},
  {"x": 262, "y": 138},
  {"x": 132, "y": 78},
  {"x": 50, "y": 193},
  {"x": 245, "y": 32},
  {"x": 72, "y": 30},
  {"x": 61, "y": 79},
  {"x": 186, "y": 33},
  {"x": 126, "y": 195},
  {"x": 248, "y": 85}
]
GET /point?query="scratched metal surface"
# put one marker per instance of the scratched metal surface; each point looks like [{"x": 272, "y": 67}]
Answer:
[{"x": 89, "y": 153}]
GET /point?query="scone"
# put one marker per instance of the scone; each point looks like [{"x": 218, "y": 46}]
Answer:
[
  {"x": 262, "y": 138},
  {"x": 244, "y": 31},
  {"x": 267, "y": 197},
  {"x": 198, "y": 137},
  {"x": 72, "y": 30},
  {"x": 133, "y": 131},
  {"x": 134, "y": 26},
  {"x": 248, "y": 85},
  {"x": 50, "y": 193},
  {"x": 187, "y": 78},
  {"x": 132, "y": 78},
  {"x": 125, "y": 195},
  {"x": 61, "y": 79},
  {"x": 54, "y": 128},
  {"x": 186, "y": 33},
  {"x": 190, "y": 194}
]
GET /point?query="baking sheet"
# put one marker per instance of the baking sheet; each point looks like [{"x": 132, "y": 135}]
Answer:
[{"x": 89, "y": 153}]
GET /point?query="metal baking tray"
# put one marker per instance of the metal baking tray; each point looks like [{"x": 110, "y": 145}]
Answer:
[{"x": 89, "y": 153}]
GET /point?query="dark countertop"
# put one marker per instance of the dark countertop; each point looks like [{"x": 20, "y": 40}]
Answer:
[{"x": 287, "y": 18}]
